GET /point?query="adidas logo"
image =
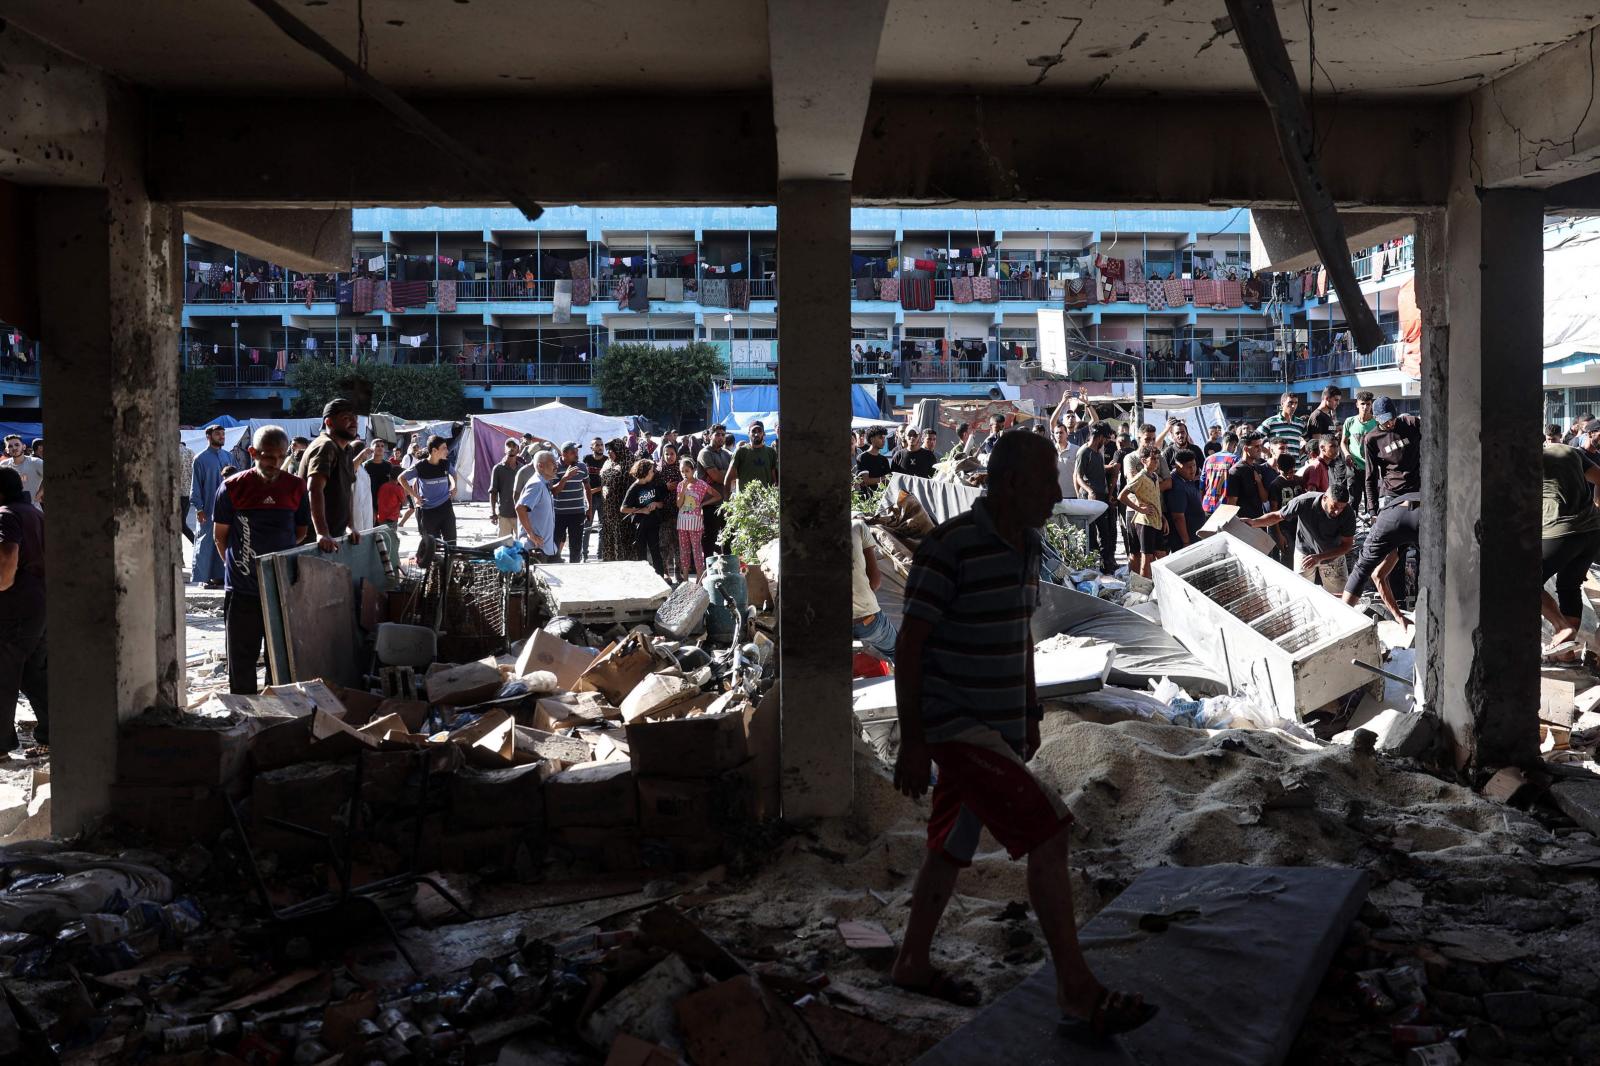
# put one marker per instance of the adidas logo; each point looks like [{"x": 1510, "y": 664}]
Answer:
[{"x": 268, "y": 499}]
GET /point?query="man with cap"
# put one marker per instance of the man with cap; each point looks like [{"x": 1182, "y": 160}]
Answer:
[
  {"x": 329, "y": 475},
  {"x": 570, "y": 490},
  {"x": 503, "y": 489},
  {"x": 1393, "y": 454},
  {"x": 203, "y": 484}
]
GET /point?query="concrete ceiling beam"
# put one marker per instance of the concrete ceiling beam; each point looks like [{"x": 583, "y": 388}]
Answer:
[
  {"x": 1537, "y": 125},
  {"x": 303, "y": 239},
  {"x": 917, "y": 150},
  {"x": 53, "y": 114},
  {"x": 823, "y": 54},
  {"x": 1280, "y": 240}
]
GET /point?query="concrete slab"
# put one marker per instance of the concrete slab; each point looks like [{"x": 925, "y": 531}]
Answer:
[
  {"x": 1581, "y": 802},
  {"x": 1233, "y": 955},
  {"x": 605, "y": 592}
]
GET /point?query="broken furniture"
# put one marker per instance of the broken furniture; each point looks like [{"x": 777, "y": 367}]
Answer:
[
  {"x": 1232, "y": 955},
  {"x": 1279, "y": 635},
  {"x": 311, "y": 616}
]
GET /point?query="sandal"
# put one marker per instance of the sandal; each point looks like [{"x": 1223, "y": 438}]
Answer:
[
  {"x": 1114, "y": 1013},
  {"x": 947, "y": 987},
  {"x": 1565, "y": 652}
]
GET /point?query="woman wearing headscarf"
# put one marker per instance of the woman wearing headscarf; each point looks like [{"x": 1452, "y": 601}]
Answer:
[
  {"x": 669, "y": 475},
  {"x": 616, "y": 539}
]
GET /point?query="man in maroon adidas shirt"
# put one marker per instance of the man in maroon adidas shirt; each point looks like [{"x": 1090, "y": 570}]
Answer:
[{"x": 256, "y": 512}]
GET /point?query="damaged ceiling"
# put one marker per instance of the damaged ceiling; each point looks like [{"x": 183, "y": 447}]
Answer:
[{"x": 476, "y": 47}]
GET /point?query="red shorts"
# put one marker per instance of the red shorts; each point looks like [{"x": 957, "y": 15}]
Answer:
[{"x": 989, "y": 788}]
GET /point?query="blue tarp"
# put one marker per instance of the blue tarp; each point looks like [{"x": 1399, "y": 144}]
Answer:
[
  {"x": 752, "y": 398},
  {"x": 28, "y": 431}
]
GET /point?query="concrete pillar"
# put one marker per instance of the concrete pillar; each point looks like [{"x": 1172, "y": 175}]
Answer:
[
  {"x": 814, "y": 466},
  {"x": 109, "y": 270},
  {"x": 1482, "y": 383}
]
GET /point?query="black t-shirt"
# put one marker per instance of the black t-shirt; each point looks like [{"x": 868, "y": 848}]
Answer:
[
  {"x": 1316, "y": 531},
  {"x": 872, "y": 464},
  {"x": 381, "y": 471},
  {"x": 22, "y": 524},
  {"x": 1322, "y": 424},
  {"x": 1243, "y": 483},
  {"x": 1394, "y": 457},
  {"x": 643, "y": 494},
  {"x": 918, "y": 463},
  {"x": 594, "y": 463}
]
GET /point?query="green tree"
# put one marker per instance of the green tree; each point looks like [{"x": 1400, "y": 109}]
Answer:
[
  {"x": 662, "y": 384},
  {"x": 197, "y": 395},
  {"x": 421, "y": 392}
]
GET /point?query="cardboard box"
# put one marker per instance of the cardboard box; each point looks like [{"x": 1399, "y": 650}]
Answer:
[
  {"x": 281, "y": 742},
  {"x": 546, "y": 651},
  {"x": 414, "y": 713},
  {"x": 620, "y": 667},
  {"x": 172, "y": 814},
  {"x": 656, "y": 693},
  {"x": 465, "y": 684},
  {"x": 594, "y": 795},
  {"x": 551, "y": 713},
  {"x": 561, "y": 752},
  {"x": 694, "y": 745},
  {"x": 489, "y": 742},
  {"x": 691, "y": 806},
  {"x": 308, "y": 794},
  {"x": 184, "y": 754},
  {"x": 513, "y": 796}
]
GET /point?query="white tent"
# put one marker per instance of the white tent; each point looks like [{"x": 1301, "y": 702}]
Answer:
[
  {"x": 554, "y": 421},
  {"x": 1572, "y": 293}
]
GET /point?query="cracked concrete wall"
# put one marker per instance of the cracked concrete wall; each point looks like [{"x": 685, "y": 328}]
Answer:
[
  {"x": 1482, "y": 472},
  {"x": 813, "y": 619},
  {"x": 110, "y": 264}
]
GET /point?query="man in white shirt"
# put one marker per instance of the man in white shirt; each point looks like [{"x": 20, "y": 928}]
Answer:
[
  {"x": 31, "y": 469},
  {"x": 868, "y": 623}
]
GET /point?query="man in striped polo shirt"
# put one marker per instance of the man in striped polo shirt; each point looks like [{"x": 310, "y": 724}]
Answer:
[
  {"x": 1286, "y": 427},
  {"x": 965, "y": 690},
  {"x": 571, "y": 491}
]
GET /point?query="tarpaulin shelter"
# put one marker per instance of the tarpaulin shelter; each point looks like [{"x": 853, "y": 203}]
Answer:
[
  {"x": 553, "y": 421},
  {"x": 243, "y": 431},
  {"x": 28, "y": 431},
  {"x": 1572, "y": 296},
  {"x": 737, "y": 407}
]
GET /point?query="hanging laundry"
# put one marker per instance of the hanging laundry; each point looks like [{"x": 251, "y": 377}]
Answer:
[
  {"x": 1172, "y": 292},
  {"x": 579, "y": 269},
  {"x": 381, "y": 300},
  {"x": 1231, "y": 294},
  {"x": 639, "y": 295},
  {"x": 561, "y": 302},
  {"x": 375, "y": 264},
  {"x": 255, "y": 355},
  {"x": 620, "y": 288},
  {"x": 1205, "y": 292},
  {"x": 985, "y": 290},
  {"x": 447, "y": 296},
  {"x": 866, "y": 289},
  {"x": 1156, "y": 294},
  {"x": 582, "y": 289},
  {"x": 889, "y": 290},
  {"x": 1135, "y": 273},
  {"x": 282, "y": 362},
  {"x": 961, "y": 290},
  {"x": 1251, "y": 290},
  {"x": 739, "y": 294},
  {"x": 892, "y": 264},
  {"x": 925, "y": 264},
  {"x": 409, "y": 293}
]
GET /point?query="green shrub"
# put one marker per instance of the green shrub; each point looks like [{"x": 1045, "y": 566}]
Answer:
[
  {"x": 751, "y": 519},
  {"x": 426, "y": 392},
  {"x": 662, "y": 384},
  {"x": 197, "y": 395}
]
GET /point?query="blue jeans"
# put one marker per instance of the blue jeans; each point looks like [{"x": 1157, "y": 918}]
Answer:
[{"x": 879, "y": 636}]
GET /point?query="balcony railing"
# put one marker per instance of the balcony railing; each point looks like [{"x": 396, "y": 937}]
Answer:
[
  {"x": 492, "y": 374},
  {"x": 1400, "y": 258},
  {"x": 1383, "y": 357},
  {"x": 14, "y": 371}
]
